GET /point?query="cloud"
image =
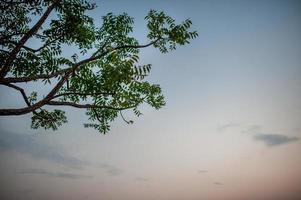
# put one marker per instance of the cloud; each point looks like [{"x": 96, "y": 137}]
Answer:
[
  {"x": 268, "y": 139},
  {"x": 225, "y": 127},
  {"x": 217, "y": 183},
  {"x": 55, "y": 174},
  {"x": 110, "y": 169},
  {"x": 28, "y": 144},
  {"x": 274, "y": 139},
  {"x": 256, "y": 132},
  {"x": 202, "y": 171}
]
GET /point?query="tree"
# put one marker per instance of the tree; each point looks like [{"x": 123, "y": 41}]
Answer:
[{"x": 103, "y": 77}]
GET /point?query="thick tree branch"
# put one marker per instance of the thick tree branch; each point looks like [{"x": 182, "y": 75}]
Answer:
[{"x": 21, "y": 90}]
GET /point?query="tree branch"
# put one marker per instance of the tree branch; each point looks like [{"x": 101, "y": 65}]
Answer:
[
  {"x": 21, "y": 90},
  {"x": 63, "y": 103},
  {"x": 138, "y": 46},
  {"x": 82, "y": 94},
  {"x": 126, "y": 121},
  {"x": 97, "y": 116}
]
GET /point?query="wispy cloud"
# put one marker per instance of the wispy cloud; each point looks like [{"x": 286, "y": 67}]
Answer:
[
  {"x": 274, "y": 139},
  {"x": 28, "y": 144},
  {"x": 55, "y": 174},
  {"x": 110, "y": 169},
  {"x": 217, "y": 183},
  {"x": 225, "y": 127},
  {"x": 202, "y": 171}
]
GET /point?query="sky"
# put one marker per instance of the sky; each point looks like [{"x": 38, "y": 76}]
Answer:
[{"x": 230, "y": 130}]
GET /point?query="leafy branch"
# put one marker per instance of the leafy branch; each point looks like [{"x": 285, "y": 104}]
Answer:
[{"x": 104, "y": 82}]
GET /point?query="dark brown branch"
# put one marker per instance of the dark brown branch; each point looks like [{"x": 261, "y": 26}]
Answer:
[
  {"x": 21, "y": 90},
  {"x": 137, "y": 46},
  {"x": 100, "y": 49},
  {"x": 126, "y": 121},
  {"x": 63, "y": 103},
  {"x": 96, "y": 114},
  {"x": 23, "y": 40}
]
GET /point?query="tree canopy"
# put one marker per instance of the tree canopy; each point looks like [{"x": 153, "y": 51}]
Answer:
[{"x": 104, "y": 76}]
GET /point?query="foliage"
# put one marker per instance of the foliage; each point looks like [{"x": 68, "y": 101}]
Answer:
[{"x": 104, "y": 82}]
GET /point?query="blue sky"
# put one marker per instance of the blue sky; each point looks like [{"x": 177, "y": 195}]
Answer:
[{"x": 230, "y": 129}]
